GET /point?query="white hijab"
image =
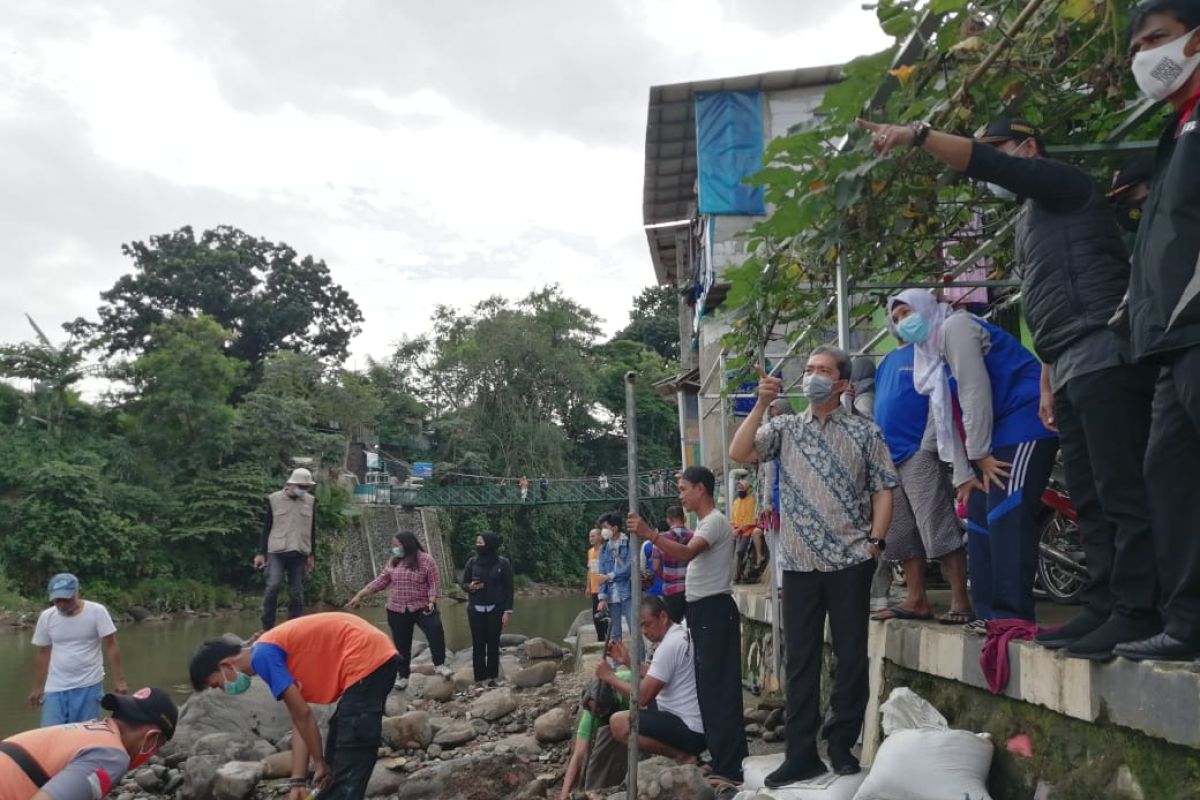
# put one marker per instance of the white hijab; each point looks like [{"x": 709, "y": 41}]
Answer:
[{"x": 929, "y": 364}]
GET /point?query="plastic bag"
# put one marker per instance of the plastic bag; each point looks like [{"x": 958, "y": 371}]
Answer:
[{"x": 906, "y": 710}]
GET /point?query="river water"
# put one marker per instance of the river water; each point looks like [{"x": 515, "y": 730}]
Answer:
[{"x": 156, "y": 652}]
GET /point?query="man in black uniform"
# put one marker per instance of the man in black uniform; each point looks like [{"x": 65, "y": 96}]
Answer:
[{"x": 1074, "y": 272}]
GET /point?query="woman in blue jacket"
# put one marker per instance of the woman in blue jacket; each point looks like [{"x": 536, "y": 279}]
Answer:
[
  {"x": 615, "y": 592},
  {"x": 1008, "y": 451}
]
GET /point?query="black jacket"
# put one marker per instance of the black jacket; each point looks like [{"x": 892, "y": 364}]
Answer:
[
  {"x": 1164, "y": 291},
  {"x": 1070, "y": 256},
  {"x": 497, "y": 579}
]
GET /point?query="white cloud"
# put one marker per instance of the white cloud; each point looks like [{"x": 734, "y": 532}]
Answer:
[{"x": 420, "y": 181}]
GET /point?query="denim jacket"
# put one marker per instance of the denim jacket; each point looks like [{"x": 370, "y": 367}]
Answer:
[{"x": 614, "y": 566}]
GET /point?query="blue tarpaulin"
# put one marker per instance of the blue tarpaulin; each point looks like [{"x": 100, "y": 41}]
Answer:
[{"x": 729, "y": 147}]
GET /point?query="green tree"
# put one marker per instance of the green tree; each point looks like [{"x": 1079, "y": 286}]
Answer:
[
  {"x": 654, "y": 321},
  {"x": 268, "y": 297},
  {"x": 184, "y": 383}
]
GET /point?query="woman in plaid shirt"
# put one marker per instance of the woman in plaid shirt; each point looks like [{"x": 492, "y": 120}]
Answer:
[{"x": 413, "y": 584}]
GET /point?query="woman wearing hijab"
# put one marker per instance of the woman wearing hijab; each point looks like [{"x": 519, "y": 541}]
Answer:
[
  {"x": 1008, "y": 451},
  {"x": 488, "y": 581},
  {"x": 414, "y": 585}
]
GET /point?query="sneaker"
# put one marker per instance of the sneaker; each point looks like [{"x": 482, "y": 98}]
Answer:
[
  {"x": 977, "y": 627},
  {"x": 402, "y": 683},
  {"x": 444, "y": 671}
]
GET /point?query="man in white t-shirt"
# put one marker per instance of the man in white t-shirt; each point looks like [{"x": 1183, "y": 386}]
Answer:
[
  {"x": 712, "y": 619},
  {"x": 673, "y": 728},
  {"x": 69, "y": 675}
]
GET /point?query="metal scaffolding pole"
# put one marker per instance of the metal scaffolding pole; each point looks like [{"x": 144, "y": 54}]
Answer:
[
  {"x": 725, "y": 442},
  {"x": 635, "y": 580},
  {"x": 842, "y": 295}
]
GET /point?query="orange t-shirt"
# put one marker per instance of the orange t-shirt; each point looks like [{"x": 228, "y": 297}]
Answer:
[
  {"x": 81, "y": 755},
  {"x": 595, "y": 579},
  {"x": 322, "y": 654}
]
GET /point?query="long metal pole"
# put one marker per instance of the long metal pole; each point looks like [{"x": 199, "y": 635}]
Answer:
[
  {"x": 724, "y": 441},
  {"x": 843, "y": 304},
  {"x": 635, "y": 587}
]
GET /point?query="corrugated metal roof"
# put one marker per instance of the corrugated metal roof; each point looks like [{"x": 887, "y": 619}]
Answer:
[{"x": 669, "y": 188}]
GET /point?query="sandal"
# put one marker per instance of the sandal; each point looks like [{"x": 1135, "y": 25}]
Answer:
[
  {"x": 953, "y": 617},
  {"x": 896, "y": 612}
]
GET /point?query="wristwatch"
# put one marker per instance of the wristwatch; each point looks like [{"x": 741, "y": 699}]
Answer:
[
  {"x": 880, "y": 543},
  {"x": 920, "y": 131}
]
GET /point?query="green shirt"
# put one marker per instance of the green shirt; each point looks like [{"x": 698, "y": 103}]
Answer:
[{"x": 588, "y": 724}]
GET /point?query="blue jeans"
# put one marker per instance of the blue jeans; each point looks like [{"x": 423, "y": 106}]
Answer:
[
  {"x": 72, "y": 705},
  {"x": 617, "y": 613}
]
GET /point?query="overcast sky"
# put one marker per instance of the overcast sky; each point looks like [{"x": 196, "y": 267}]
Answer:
[{"x": 431, "y": 152}]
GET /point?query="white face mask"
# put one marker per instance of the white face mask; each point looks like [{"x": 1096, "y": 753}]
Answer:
[
  {"x": 605, "y": 534},
  {"x": 1162, "y": 71}
]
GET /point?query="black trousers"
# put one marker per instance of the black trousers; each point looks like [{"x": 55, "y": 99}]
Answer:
[
  {"x": 845, "y": 596},
  {"x": 292, "y": 565},
  {"x": 485, "y": 642},
  {"x": 716, "y": 630},
  {"x": 1103, "y": 425},
  {"x": 599, "y": 623},
  {"x": 430, "y": 624},
  {"x": 1171, "y": 472},
  {"x": 355, "y": 733}
]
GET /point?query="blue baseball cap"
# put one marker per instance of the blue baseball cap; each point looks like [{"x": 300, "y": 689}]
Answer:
[{"x": 63, "y": 586}]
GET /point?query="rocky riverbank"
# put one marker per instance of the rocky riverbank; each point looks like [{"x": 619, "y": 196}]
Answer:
[{"x": 442, "y": 738}]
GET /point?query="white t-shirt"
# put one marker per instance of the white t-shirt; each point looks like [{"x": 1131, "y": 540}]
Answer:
[
  {"x": 74, "y": 642},
  {"x": 674, "y": 664},
  {"x": 711, "y": 572}
]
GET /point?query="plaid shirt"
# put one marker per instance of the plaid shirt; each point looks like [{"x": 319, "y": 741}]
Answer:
[
  {"x": 674, "y": 572},
  {"x": 411, "y": 589}
]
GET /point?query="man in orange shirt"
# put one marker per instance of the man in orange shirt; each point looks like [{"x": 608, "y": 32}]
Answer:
[
  {"x": 315, "y": 659},
  {"x": 594, "y": 581},
  {"x": 84, "y": 760}
]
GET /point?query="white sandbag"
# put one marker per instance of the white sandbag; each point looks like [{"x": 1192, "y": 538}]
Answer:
[
  {"x": 827, "y": 787},
  {"x": 929, "y": 764},
  {"x": 905, "y": 709}
]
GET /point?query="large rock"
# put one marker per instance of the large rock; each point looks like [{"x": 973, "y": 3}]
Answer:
[
  {"x": 199, "y": 772},
  {"x": 512, "y": 639},
  {"x": 583, "y": 618},
  {"x": 254, "y": 714},
  {"x": 464, "y": 678},
  {"x": 494, "y": 705},
  {"x": 481, "y": 776},
  {"x": 436, "y": 688},
  {"x": 396, "y": 704},
  {"x": 407, "y": 732},
  {"x": 662, "y": 779},
  {"x": 454, "y": 734},
  {"x": 519, "y": 744},
  {"x": 537, "y": 675},
  {"x": 541, "y": 648},
  {"x": 236, "y": 780},
  {"x": 232, "y": 747},
  {"x": 384, "y": 781},
  {"x": 553, "y": 726},
  {"x": 277, "y": 765}
]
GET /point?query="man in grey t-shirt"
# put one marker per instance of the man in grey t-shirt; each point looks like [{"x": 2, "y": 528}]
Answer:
[{"x": 712, "y": 618}]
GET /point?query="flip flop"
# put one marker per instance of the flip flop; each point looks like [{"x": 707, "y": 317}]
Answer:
[
  {"x": 955, "y": 617},
  {"x": 896, "y": 612}
]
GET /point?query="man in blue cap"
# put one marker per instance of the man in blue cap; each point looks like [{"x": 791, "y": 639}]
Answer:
[{"x": 69, "y": 675}]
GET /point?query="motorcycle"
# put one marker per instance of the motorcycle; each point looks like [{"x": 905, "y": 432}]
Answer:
[{"x": 1062, "y": 566}]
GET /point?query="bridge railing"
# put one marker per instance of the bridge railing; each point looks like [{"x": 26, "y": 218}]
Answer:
[{"x": 651, "y": 486}]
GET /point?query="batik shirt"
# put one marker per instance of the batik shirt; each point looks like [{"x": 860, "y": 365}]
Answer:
[{"x": 828, "y": 470}]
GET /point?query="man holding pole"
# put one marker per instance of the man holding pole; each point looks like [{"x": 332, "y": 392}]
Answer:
[{"x": 712, "y": 620}]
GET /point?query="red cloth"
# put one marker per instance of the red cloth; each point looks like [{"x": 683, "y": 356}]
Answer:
[{"x": 993, "y": 660}]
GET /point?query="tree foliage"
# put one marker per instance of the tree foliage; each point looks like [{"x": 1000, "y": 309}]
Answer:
[{"x": 264, "y": 293}]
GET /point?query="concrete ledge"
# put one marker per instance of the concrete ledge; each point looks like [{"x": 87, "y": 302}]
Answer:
[{"x": 1158, "y": 699}]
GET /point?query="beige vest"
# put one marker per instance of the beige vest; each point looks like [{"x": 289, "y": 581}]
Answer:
[{"x": 291, "y": 523}]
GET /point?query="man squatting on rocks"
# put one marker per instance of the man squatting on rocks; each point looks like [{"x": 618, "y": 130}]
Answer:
[
  {"x": 320, "y": 658},
  {"x": 83, "y": 760}
]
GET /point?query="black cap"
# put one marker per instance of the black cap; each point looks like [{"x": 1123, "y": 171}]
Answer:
[
  {"x": 146, "y": 707},
  {"x": 1139, "y": 169},
  {"x": 1005, "y": 129}
]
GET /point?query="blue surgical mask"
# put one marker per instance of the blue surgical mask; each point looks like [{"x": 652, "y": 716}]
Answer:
[
  {"x": 913, "y": 328},
  {"x": 817, "y": 388},
  {"x": 398, "y": 552},
  {"x": 238, "y": 685},
  {"x": 298, "y": 493}
]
